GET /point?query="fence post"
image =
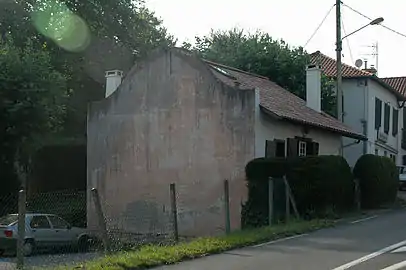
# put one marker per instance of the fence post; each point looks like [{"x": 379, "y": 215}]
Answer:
[
  {"x": 101, "y": 219},
  {"x": 357, "y": 195},
  {"x": 292, "y": 199},
  {"x": 174, "y": 211},
  {"x": 227, "y": 206},
  {"x": 21, "y": 228},
  {"x": 270, "y": 200},
  {"x": 287, "y": 201}
]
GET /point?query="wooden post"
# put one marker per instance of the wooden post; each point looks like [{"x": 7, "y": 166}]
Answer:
[
  {"x": 174, "y": 211},
  {"x": 287, "y": 201},
  {"x": 101, "y": 219},
  {"x": 21, "y": 228},
  {"x": 270, "y": 200},
  {"x": 227, "y": 206},
  {"x": 292, "y": 199},
  {"x": 357, "y": 195}
]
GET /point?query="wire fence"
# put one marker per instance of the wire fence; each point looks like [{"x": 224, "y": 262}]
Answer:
[{"x": 162, "y": 215}]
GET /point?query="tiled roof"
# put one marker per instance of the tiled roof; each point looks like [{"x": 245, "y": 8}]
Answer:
[
  {"x": 279, "y": 101},
  {"x": 397, "y": 83},
  {"x": 329, "y": 67}
]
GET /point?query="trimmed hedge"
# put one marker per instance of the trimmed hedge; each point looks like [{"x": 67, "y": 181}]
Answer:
[
  {"x": 378, "y": 180},
  {"x": 320, "y": 185}
]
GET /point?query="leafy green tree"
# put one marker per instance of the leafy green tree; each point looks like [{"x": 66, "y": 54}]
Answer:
[
  {"x": 83, "y": 39},
  {"x": 32, "y": 106},
  {"x": 261, "y": 54}
]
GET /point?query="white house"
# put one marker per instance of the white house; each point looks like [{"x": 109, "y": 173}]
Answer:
[
  {"x": 399, "y": 84},
  {"x": 372, "y": 107}
]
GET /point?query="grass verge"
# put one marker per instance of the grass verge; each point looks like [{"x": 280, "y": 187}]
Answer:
[{"x": 153, "y": 255}]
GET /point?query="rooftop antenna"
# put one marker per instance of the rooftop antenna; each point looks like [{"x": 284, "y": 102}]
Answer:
[{"x": 374, "y": 53}]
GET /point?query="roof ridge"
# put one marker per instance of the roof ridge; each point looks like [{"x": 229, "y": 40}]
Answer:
[
  {"x": 344, "y": 64},
  {"x": 235, "y": 69}
]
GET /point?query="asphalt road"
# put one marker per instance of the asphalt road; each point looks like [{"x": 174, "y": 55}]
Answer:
[{"x": 376, "y": 243}]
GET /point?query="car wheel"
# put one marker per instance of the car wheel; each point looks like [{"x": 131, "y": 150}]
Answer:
[
  {"x": 28, "y": 248},
  {"x": 83, "y": 244}
]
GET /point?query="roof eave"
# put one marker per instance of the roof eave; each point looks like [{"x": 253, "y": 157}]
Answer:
[{"x": 324, "y": 128}]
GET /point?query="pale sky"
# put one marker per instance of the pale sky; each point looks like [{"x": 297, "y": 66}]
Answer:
[{"x": 295, "y": 21}]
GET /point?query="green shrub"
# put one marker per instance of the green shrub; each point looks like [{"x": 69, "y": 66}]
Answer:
[
  {"x": 378, "y": 180},
  {"x": 320, "y": 185},
  {"x": 255, "y": 211}
]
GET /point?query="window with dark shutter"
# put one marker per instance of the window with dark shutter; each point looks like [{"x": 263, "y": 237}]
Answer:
[
  {"x": 270, "y": 149},
  {"x": 378, "y": 113},
  {"x": 395, "y": 122},
  {"x": 386, "y": 119},
  {"x": 292, "y": 147},
  {"x": 404, "y": 118}
]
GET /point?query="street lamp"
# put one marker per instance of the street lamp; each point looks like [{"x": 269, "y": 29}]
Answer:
[
  {"x": 339, "y": 43},
  {"x": 373, "y": 22}
]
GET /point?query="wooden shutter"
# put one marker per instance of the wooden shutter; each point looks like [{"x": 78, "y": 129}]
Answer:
[
  {"x": 395, "y": 122},
  {"x": 378, "y": 113},
  {"x": 315, "y": 148},
  {"x": 292, "y": 147},
  {"x": 312, "y": 148},
  {"x": 270, "y": 149},
  {"x": 386, "y": 119}
]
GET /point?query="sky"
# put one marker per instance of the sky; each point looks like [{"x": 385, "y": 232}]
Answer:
[{"x": 295, "y": 21}]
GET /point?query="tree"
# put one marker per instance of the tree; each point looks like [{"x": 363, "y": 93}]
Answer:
[
  {"x": 32, "y": 104},
  {"x": 261, "y": 54},
  {"x": 84, "y": 39}
]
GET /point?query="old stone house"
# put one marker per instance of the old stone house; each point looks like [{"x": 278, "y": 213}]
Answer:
[{"x": 176, "y": 118}]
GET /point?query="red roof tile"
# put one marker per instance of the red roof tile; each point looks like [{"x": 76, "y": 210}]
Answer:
[
  {"x": 329, "y": 67},
  {"x": 397, "y": 83},
  {"x": 279, "y": 101}
]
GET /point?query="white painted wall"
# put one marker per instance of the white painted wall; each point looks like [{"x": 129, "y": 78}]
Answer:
[
  {"x": 355, "y": 112},
  {"x": 359, "y": 105},
  {"x": 383, "y": 94},
  {"x": 267, "y": 128}
]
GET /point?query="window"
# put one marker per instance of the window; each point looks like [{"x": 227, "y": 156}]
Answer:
[
  {"x": 395, "y": 122},
  {"x": 378, "y": 113},
  {"x": 280, "y": 149},
  {"x": 40, "y": 222},
  {"x": 376, "y": 152},
  {"x": 393, "y": 157},
  {"x": 386, "y": 119},
  {"x": 385, "y": 153},
  {"x": 58, "y": 223},
  {"x": 302, "y": 149}
]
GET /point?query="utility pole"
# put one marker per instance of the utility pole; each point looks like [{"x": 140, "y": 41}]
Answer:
[{"x": 339, "y": 47}]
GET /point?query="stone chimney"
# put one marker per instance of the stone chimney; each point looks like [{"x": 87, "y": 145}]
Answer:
[
  {"x": 313, "y": 87},
  {"x": 113, "y": 81}
]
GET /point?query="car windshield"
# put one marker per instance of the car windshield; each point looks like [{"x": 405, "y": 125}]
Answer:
[{"x": 8, "y": 219}]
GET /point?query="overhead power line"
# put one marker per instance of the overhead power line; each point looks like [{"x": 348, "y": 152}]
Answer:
[
  {"x": 348, "y": 41},
  {"x": 369, "y": 18},
  {"x": 318, "y": 27}
]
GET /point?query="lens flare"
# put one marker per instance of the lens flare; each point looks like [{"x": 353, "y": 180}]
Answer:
[{"x": 55, "y": 21}]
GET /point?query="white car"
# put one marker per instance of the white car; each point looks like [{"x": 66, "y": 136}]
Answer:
[
  {"x": 42, "y": 231},
  {"x": 402, "y": 177}
]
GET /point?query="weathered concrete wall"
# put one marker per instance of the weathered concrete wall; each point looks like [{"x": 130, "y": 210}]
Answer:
[{"x": 170, "y": 121}]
